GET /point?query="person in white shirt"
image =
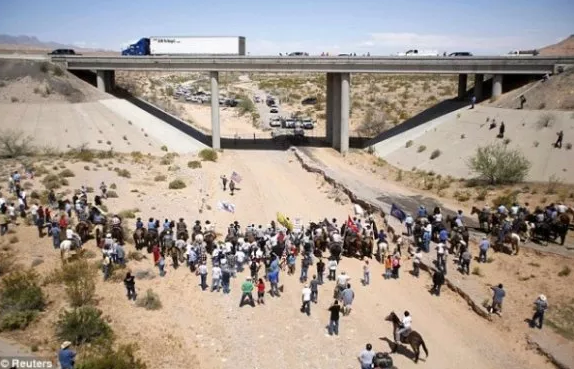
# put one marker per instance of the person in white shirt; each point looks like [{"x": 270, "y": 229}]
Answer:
[
  {"x": 342, "y": 281},
  {"x": 561, "y": 208},
  {"x": 202, "y": 270},
  {"x": 405, "y": 327},
  {"x": 417, "y": 257},
  {"x": 215, "y": 278},
  {"x": 332, "y": 269},
  {"x": 514, "y": 209},
  {"x": 306, "y": 298}
]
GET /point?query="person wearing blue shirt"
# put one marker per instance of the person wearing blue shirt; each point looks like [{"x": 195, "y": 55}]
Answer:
[
  {"x": 443, "y": 236},
  {"x": 139, "y": 223},
  {"x": 166, "y": 225},
  {"x": 382, "y": 236},
  {"x": 151, "y": 224},
  {"x": 55, "y": 235},
  {"x": 426, "y": 241},
  {"x": 274, "y": 265},
  {"x": 422, "y": 212},
  {"x": 66, "y": 356},
  {"x": 484, "y": 245}
]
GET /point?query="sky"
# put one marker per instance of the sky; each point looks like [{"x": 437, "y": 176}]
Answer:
[{"x": 380, "y": 27}]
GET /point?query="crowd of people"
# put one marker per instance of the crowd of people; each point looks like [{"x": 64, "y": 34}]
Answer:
[{"x": 267, "y": 252}]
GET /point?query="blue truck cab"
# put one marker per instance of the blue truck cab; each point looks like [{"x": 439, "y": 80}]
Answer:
[{"x": 139, "y": 48}]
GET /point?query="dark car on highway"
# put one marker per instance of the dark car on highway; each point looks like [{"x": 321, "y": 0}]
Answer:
[
  {"x": 62, "y": 52},
  {"x": 274, "y": 110},
  {"x": 309, "y": 101},
  {"x": 460, "y": 53}
]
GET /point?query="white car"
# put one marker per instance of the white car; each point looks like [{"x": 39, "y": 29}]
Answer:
[{"x": 275, "y": 123}]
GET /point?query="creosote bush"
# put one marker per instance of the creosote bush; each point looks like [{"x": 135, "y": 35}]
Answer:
[
  {"x": 208, "y": 155},
  {"x": 67, "y": 173},
  {"x": 21, "y": 299},
  {"x": 421, "y": 148},
  {"x": 435, "y": 154},
  {"x": 112, "y": 194},
  {"x": 83, "y": 325},
  {"x": 176, "y": 184},
  {"x": 107, "y": 357},
  {"x": 194, "y": 164},
  {"x": 160, "y": 178},
  {"x": 497, "y": 164},
  {"x": 150, "y": 301},
  {"x": 80, "y": 281},
  {"x": 14, "y": 143}
]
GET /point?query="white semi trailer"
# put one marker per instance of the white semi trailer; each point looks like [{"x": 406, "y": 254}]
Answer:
[{"x": 187, "y": 45}]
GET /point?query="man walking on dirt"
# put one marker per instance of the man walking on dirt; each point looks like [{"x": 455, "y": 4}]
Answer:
[
  {"x": 224, "y": 182},
  {"x": 497, "y": 298},
  {"x": 558, "y": 143},
  {"x": 247, "y": 291},
  {"x": 541, "y": 305}
]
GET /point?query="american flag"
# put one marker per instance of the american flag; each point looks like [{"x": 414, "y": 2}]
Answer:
[
  {"x": 236, "y": 177},
  {"x": 227, "y": 206}
]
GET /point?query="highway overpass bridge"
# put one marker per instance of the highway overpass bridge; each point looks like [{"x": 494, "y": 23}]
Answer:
[{"x": 338, "y": 71}]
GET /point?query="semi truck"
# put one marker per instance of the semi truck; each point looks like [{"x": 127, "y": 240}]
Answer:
[
  {"x": 416, "y": 52},
  {"x": 187, "y": 45}
]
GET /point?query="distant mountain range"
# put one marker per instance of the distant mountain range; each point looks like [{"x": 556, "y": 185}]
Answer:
[{"x": 34, "y": 42}]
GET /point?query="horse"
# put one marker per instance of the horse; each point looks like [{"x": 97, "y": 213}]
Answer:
[
  {"x": 151, "y": 239},
  {"x": 209, "y": 239},
  {"x": 100, "y": 230},
  {"x": 484, "y": 219},
  {"x": 118, "y": 233},
  {"x": 83, "y": 229},
  {"x": 414, "y": 339},
  {"x": 66, "y": 247},
  {"x": 140, "y": 238},
  {"x": 510, "y": 237}
]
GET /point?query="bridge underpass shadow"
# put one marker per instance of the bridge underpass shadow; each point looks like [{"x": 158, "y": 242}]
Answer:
[{"x": 283, "y": 142}]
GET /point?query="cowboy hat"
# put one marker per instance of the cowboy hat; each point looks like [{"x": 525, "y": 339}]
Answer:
[
  {"x": 65, "y": 344},
  {"x": 542, "y": 297}
]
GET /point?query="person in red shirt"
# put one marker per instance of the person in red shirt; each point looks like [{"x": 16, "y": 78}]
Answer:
[
  {"x": 156, "y": 254},
  {"x": 261, "y": 291}
]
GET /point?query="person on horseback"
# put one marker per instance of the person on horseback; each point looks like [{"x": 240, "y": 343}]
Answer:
[
  {"x": 116, "y": 221},
  {"x": 104, "y": 190},
  {"x": 405, "y": 327},
  {"x": 504, "y": 229},
  {"x": 422, "y": 212},
  {"x": 151, "y": 225},
  {"x": 181, "y": 226},
  {"x": 209, "y": 227},
  {"x": 196, "y": 227},
  {"x": 139, "y": 223},
  {"x": 166, "y": 225}
]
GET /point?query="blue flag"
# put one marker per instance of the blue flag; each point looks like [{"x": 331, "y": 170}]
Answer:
[{"x": 398, "y": 213}]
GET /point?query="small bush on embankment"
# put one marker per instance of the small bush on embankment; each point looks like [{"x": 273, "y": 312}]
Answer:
[
  {"x": 208, "y": 155},
  {"x": 80, "y": 280},
  {"x": 83, "y": 325},
  {"x": 176, "y": 184},
  {"x": 21, "y": 299}
]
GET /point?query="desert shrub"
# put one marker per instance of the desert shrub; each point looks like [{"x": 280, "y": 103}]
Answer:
[
  {"x": 160, "y": 178},
  {"x": 164, "y": 148},
  {"x": 506, "y": 141},
  {"x": 124, "y": 173},
  {"x": 435, "y": 154},
  {"x": 80, "y": 281},
  {"x": 409, "y": 143},
  {"x": 374, "y": 122},
  {"x": 14, "y": 143},
  {"x": 14, "y": 99},
  {"x": 481, "y": 195},
  {"x": 135, "y": 255},
  {"x": 462, "y": 196},
  {"x": 113, "y": 186},
  {"x": 176, "y": 184},
  {"x": 112, "y": 195},
  {"x": 477, "y": 271},
  {"x": 6, "y": 263},
  {"x": 106, "y": 357},
  {"x": 507, "y": 200},
  {"x": 497, "y": 163},
  {"x": 568, "y": 146},
  {"x": 166, "y": 160},
  {"x": 565, "y": 271},
  {"x": 83, "y": 325},
  {"x": 150, "y": 301},
  {"x": 421, "y": 148},
  {"x": 246, "y": 105},
  {"x": 546, "y": 120},
  {"x": 21, "y": 298},
  {"x": 128, "y": 213},
  {"x": 194, "y": 164},
  {"x": 67, "y": 173},
  {"x": 554, "y": 182},
  {"x": 208, "y": 155},
  {"x": 13, "y": 240}
]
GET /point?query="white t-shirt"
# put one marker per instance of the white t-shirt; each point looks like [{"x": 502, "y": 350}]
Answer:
[
  {"x": 438, "y": 217},
  {"x": 240, "y": 256},
  {"x": 342, "y": 279},
  {"x": 11, "y": 211},
  {"x": 306, "y": 294},
  {"x": 34, "y": 209},
  {"x": 561, "y": 208},
  {"x": 407, "y": 320},
  {"x": 440, "y": 248},
  {"x": 332, "y": 264},
  {"x": 216, "y": 272},
  {"x": 202, "y": 269}
]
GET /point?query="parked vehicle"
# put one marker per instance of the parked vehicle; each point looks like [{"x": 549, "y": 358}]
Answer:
[
  {"x": 187, "y": 45},
  {"x": 63, "y": 52},
  {"x": 309, "y": 101},
  {"x": 523, "y": 53},
  {"x": 460, "y": 53},
  {"x": 288, "y": 123},
  {"x": 270, "y": 101},
  {"x": 274, "y": 110},
  {"x": 307, "y": 123},
  {"x": 416, "y": 52},
  {"x": 275, "y": 123},
  {"x": 298, "y": 53}
]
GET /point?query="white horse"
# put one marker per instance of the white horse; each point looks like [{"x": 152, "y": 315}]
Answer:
[{"x": 65, "y": 247}]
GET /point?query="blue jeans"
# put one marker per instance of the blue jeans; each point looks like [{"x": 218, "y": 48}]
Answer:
[
  {"x": 225, "y": 285},
  {"x": 366, "y": 366},
  {"x": 203, "y": 281},
  {"x": 215, "y": 284},
  {"x": 3, "y": 229},
  {"x": 334, "y": 327},
  {"x": 161, "y": 270},
  {"x": 366, "y": 278},
  {"x": 303, "y": 274}
]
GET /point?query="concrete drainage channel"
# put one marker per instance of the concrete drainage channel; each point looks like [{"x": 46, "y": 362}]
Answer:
[{"x": 558, "y": 356}]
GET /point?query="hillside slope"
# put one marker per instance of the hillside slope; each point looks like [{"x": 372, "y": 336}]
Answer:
[{"x": 564, "y": 47}]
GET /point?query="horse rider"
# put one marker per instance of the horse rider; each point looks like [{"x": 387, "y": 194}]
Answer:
[
  {"x": 151, "y": 225},
  {"x": 166, "y": 225},
  {"x": 209, "y": 227},
  {"x": 505, "y": 227},
  {"x": 502, "y": 209},
  {"x": 139, "y": 223},
  {"x": 97, "y": 217},
  {"x": 181, "y": 226},
  {"x": 116, "y": 221},
  {"x": 73, "y": 236},
  {"x": 405, "y": 328},
  {"x": 422, "y": 212},
  {"x": 459, "y": 219}
]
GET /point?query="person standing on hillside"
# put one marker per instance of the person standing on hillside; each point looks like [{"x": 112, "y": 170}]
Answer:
[
  {"x": 130, "y": 283},
  {"x": 540, "y": 305},
  {"x": 306, "y": 300},
  {"x": 320, "y": 270},
  {"x": 366, "y": 357},
  {"x": 438, "y": 281},
  {"x": 202, "y": 271},
  {"x": 66, "y": 356},
  {"x": 472, "y": 101},
  {"x": 483, "y": 246},
  {"x": 224, "y": 182},
  {"x": 247, "y": 292},
  {"x": 497, "y": 299},
  {"x": 558, "y": 143}
]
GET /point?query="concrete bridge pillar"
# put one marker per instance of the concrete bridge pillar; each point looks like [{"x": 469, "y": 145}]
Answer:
[
  {"x": 345, "y": 112},
  {"x": 215, "y": 129},
  {"x": 329, "y": 108},
  {"x": 105, "y": 80},
  {"x": 478, "y": 86},
  {"x": 496, "y": 86},
  {"x": 462, "y": 82},
  {"x": 336, "y": 111}
]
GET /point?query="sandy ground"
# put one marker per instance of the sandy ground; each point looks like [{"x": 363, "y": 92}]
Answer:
[
  {"x": 458, "y": 135},
  {"x": 202, "y": 328}
]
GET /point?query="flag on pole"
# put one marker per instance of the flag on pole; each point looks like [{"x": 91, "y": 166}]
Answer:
[
  {"x": 351, "y": 225},
  {"x": 398, "y": 213},
  {"x": 227, "y": 206},
  {"x": 236, "y": 177}
]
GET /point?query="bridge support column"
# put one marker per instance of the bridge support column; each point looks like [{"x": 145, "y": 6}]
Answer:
[
  {"x": 111, "y": 80},
  {"x": 345, "y": 99},
  {"x": 215, "y": 129},
  {"x": 478, "y": 86},
  {"x": 336, "y": 111},
  {"x": 462, "y": 81},
  {"x": 329, "y": 108},
  {"x": 104, "y": 80},
  {"x": 496, "y": 86}
]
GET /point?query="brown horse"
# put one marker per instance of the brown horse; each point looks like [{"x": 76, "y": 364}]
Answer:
[
  {"x": 483, "y": 219},
  {"x": 83, "y": 230},
  {"x": 118, "y": 234},
  {"x": 140, "y": 238},
  {"x": 414, "y": 339}
]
